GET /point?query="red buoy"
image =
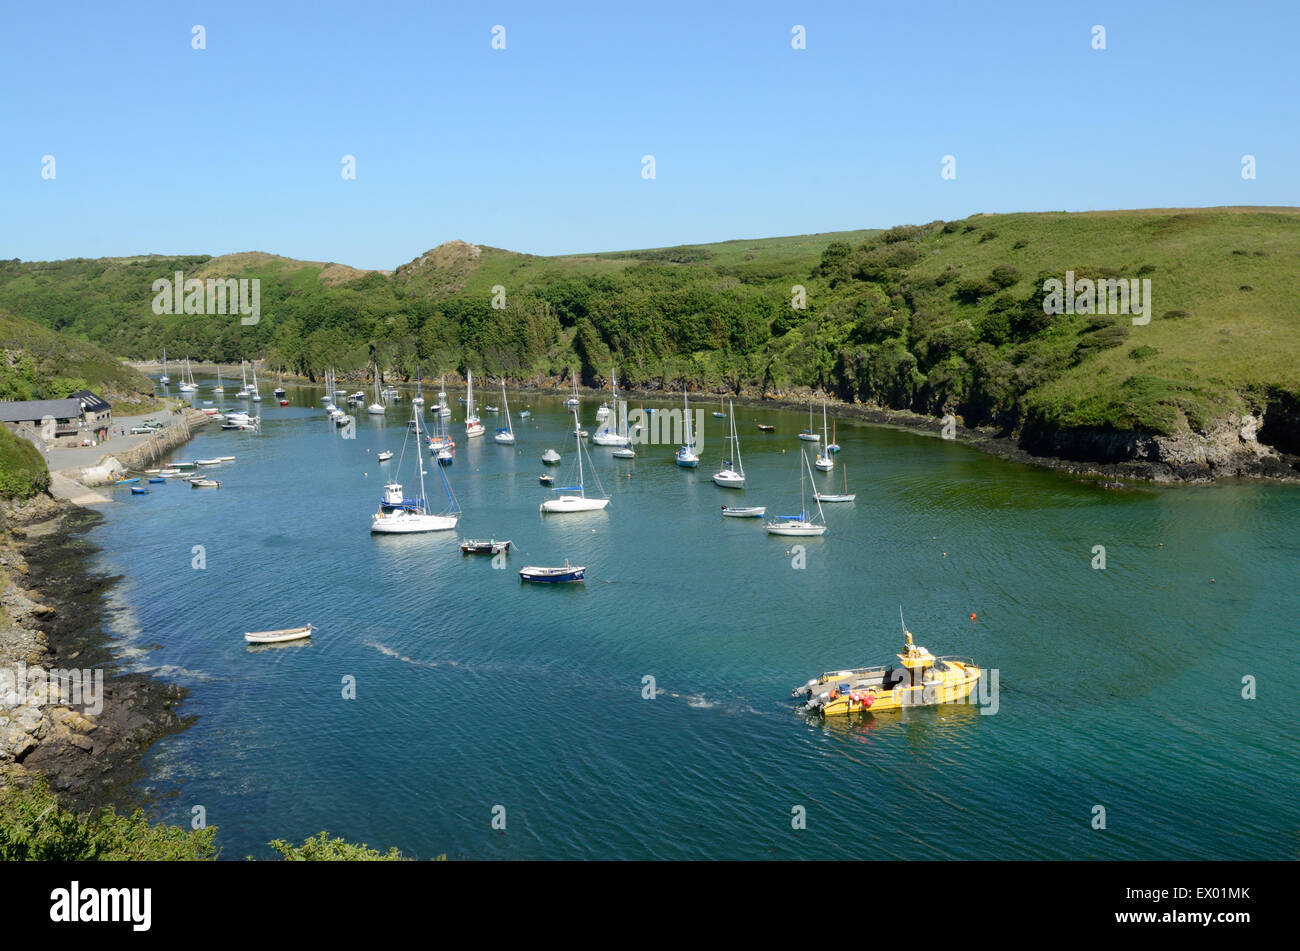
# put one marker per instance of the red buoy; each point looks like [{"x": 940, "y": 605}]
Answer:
[{"x": 972, "y": 617}]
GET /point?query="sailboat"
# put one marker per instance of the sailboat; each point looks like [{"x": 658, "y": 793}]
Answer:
[
  {"x": 218, "y": 388},
  {"x": 800, "y": 524},
  {"x": 728, "y": 477},
  {"x": 257, "y": 397},
  {"x": 834, "y": 446},
  {"x": 573, "y": 400},
  {"x": 419, "y": 389},
  {"x": 278, "y": 392},
  {"x": 473, "y": 426},
  {"x": 442, "y": 445},
  {"x": 400, "y": 515},
  {"x": 618, "y": 437},
  {"x": 847, "y": 496},
  {"x": 808, "y": 435},
  {"x": 825, "y": 461},
  {"x": 443, "y": 409},
  {"x": 243, "y": 393},
  {"x": 505, "y": 436},
  {"x": 687, "y": 456},
  {"x": 377, "y": 408},
  {"x": 579, "y": 502},
  {"x": 717, "y": 413},
  {"x": 625, "y": 451},
  {"x": 187, "y": 379},
  {"x": 164, "y": 379}
]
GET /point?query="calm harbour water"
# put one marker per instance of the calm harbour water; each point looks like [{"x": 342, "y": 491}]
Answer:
[{"x": 1118, "y": 687}]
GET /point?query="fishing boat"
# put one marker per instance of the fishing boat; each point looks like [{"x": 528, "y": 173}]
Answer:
[
  {"x": 139, "y": 490},
  {"x": 278, "y": 637},
  {"x": 476, "y": 546},
  {"x": 377, "y": 408},
  {"x": 727, "y": 477},
  {"x": 752, "y": 511},
  {"x": 918, "y": 680},
  {"x": 579, "y": 502},
  {"x": 400, "y": 515},
  {"x": 686, "y": 456},
  {"x": 573, "y": 400},
  {"x": 800, "y": 524},
  {"x": 196, "y": 483},
  {"x": 551, "y": 457},
  {"x": 618, "y": 436},
  {"x": 845, "y": 496},
  {"x": 164, "y": 379},
  {"x": 825, "y": 461},
  {"x": 473, "y": 425},
  {"x": 553, "y": 575},
  {"x": 808, "y": 435},
  {"x": 505, "y": 436}
]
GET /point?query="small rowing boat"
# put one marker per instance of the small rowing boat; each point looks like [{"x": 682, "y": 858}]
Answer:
[
  {"x": 278, "y": 637},
  {"x": 736, "y": 511},
  {"x": 137, "y": 490},
  {"x": 546, "y": 479},
  {"x": 127, "y": 481},
  {"x": 553, "y": 575},
  {"x": 157, "y": 480},
  {"x": 766, "y": 428},
  {"x": 205, "y": 484},
  {"x": 476, "y": 546}
]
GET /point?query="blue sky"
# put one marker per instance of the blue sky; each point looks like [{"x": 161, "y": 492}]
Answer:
[{"x": 537, "y": 148}]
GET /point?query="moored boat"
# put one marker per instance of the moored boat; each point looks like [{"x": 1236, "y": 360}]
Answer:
[
  {"x": 205, "y": 483},
  {"x": 553, "y": 575},
  {"x": 278, "y": 637},
  {"x": 739, "y": 511},
  {"x": 476, "y": 546}
]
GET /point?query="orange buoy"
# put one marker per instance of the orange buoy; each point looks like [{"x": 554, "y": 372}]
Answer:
[{"x": 972, "y": 617}]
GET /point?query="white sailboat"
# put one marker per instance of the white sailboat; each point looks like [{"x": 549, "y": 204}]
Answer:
[
  {"x": 243, "y": 393},
  {"x": 400, "y": 515},
  {"x": 164, "y": 379},
  {"x": 187, "y": 379},
  {"x": 505, "y": 436},
  {"x": 377, "y": 408},
  {"x": 257, "y": 397},
  {"x": 808, "y": 435},
  {"x": 473, "y": 425},
  {"x": 845, "y": 496},
  {"x": 625, "y": 451},
  {"x": 443, "y": 409},
  {"x": 579, "y": 502},
  {"x": 800, "y": 524},
  {"x": 687, "y": 457},
  {"x": 618, "y": 436},
  {"x": 727, "y": 477},
  {"x": 419, "y": 389},
  {"x": 825, "y": 461},
  {"x": 218, "y": 388},
  {"x": 573, "y": 401}
]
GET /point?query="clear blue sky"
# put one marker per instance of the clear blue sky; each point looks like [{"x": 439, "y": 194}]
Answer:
[{"x": 537, "y": 148}]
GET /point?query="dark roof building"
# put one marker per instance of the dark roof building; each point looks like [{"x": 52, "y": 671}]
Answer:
[
  {"x": 92, "y": 403},
  {"x": 33, "y": 411}
]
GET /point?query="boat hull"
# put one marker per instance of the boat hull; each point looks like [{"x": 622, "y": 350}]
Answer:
[
  {"x": 552, "y": 575},
  {"x": 406, "y": 523},
  {"x": 867, "y": 694},
  {"x": 278, "y": 637},
  {"x": 729, "y": 480},
  {"x": 795, "y": 528},
  {"x": 835, "y": 498},
  {"x": 573, "y": 503}
]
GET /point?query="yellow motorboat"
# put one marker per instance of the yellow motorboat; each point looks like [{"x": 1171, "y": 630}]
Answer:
[{"x": 919, "y": 680}]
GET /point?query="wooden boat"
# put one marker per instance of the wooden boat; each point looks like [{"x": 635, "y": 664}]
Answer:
[
  {"x": 139, "y": 490},
  {"x": 476, "y": 546},
  {"x": 766, "y": 428},
  {"x": 737, "y": 511},
  {"x": 920, "y": 680},
  {"x": 204, "y": 484},
  {"x": 553, "y": 575},
  {"x": 278, "y": 637}
]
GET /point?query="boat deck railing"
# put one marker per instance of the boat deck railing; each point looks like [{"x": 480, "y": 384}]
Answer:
[
  {"x": 961, "y": 660},
  {"x": 856, "y": 671}
]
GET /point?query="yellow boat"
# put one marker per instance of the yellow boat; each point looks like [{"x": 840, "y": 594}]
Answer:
[{"x": 919, "y": 680}]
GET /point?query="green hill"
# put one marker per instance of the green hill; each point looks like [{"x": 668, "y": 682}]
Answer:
[{"x": 936, "y": 318}]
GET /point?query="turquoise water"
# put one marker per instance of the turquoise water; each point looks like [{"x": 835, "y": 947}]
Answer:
[{"x": 1118, "y": 687}]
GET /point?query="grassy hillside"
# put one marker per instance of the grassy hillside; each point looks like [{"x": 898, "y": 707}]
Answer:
[
  {"x": 22, "y": 468},
  {"x": 942, "y": 317},
  {"x": 39, "y": 363}
]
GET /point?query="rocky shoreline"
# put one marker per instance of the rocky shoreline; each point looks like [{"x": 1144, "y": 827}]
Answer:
[{"x": 52, "y": 619}]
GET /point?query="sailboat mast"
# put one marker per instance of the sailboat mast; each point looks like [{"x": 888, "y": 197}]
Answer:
[
  {"x": 735, "y": 441},
  {"x": 577, "y": 436}
]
